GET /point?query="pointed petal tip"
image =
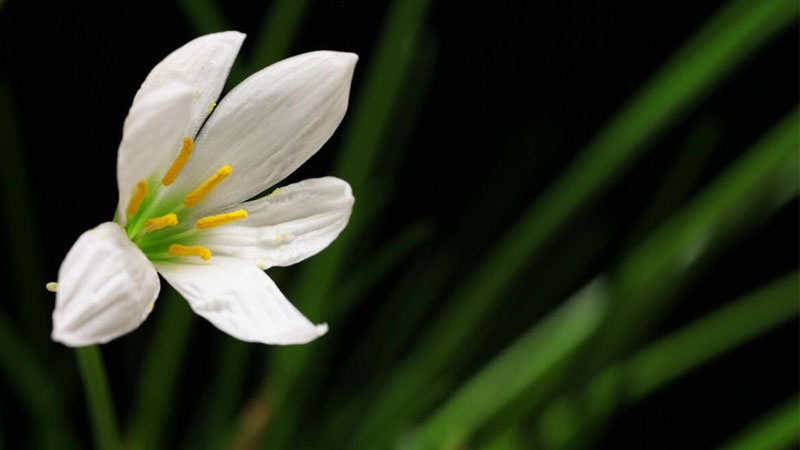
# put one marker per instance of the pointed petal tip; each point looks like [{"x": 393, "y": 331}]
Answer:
[
  {"x": 230, "y": 35},
  {"x": 342, "y": 60},
  {"x": 347, "y": 59}
]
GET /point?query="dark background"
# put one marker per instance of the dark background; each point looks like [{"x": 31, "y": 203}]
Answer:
[{"x": 504, "y": 95}]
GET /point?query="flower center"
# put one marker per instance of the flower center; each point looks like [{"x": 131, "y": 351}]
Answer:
[{"x": 157, "y": 221}]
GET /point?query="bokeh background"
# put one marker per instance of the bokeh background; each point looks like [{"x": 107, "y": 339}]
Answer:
[{"x": 576, "y": 226}]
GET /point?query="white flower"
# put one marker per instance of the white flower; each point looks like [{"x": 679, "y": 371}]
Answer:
[{"x": 185, "y": 176}]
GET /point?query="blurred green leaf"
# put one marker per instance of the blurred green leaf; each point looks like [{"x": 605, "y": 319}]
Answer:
[
  {"x": 22, "y": 366},
  {"x": 514, "y": 371},
  {"x": 363, "y": 138},
  {"x": 510, "y": 439},
  {"x": 718, "y": 332},
  {"x": 204, "y": 15},
  {"x": 755, "y": 185},
  {"x": 681, "y": 177},
  {"x": 366, "y": 276},
  {"x": 105, "y": 429},
  {"x": 32, "y": 300},
  {"x": 277, "y": 32},
  {"x": 210, "y": 427},
  {"x": 35, "y": 389},
  {"x": 778, "y": 430},
  {"x": 688, "y": 77},
  {"x": 745, "y": 192},
  {"x": 669, "y": 358},
  {"x": 156, "y": 393}
]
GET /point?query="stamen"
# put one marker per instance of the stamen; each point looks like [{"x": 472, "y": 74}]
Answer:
[
  {"x": 157, "y": 223},
  {"x": 180, "y": 161},
  {"x": 211, "y": 107},
  {"x": 220, "y": 219},
  {"x": 194, "y": 250},
  {"x": 51, "y": 286},
  {"x": 136, "y": 198},
  {"x": 204, "y": 189}
]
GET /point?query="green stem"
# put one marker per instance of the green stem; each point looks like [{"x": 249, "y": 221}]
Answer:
[
  {"x": 98, "y": 396},
  {"x": 159, "y": 373}
]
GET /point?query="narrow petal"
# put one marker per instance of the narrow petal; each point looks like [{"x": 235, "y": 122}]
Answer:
[
  {"x": 286, "y": 227},
  {"x": 106, "y": 288},
  {"x": 151, "y": 137},
  {"x": 240, "y": 300},
  {"x": 203, "y": 64},
  {"x": 270, "y": 124}
]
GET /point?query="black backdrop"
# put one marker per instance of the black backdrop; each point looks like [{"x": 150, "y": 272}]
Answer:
[{"x": 515, "y": 90}]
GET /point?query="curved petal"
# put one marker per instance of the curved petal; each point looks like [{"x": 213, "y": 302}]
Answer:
[
  {"x": 298, "y": 221},
  {"x": 106, "y": 288},
  {"x": 270, "y": 124},
  {"x": 240, "y": 300},
  {"x": 151, "y": 138},
  {"x": 203, "y": 64}
]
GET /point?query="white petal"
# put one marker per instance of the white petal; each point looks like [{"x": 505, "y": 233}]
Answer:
[
  {"x": 240, "y": 300},
  {"x": 151, "y": 138},
  {"x": 203, "y": 64},
  {"x": 286, "y": 227},
  {"x": 106, "y": 288},
  {"x": 270, "y": 124}
]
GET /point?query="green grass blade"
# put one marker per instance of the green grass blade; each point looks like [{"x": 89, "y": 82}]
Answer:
[
  {"x": 514, "y": 371},
  {"x": 35, "y": 388},
  {"x": 204, "y": 15},
  {"x": 34, "y": 303},
  {"x": 158, "y": 377},
  {"x": 778, "y": 430},
  {"x": 210, "y": 427},
  {"x": 744, "y": 192},
  {"x": 105, "y": 430},
  {"x": 720, "y": 331},
  {"x": 384, "y": 260},
  {"x": 683, "y": 81},
  {"x": 280, "y": 27},
  {"x": 668, "y": 359},
  {"x": 510, "y": 439},
  {"x": 758, "y": 182},
  {"x": 24, "y": 368},
  {"x": 681, "y": 177},
  {"x": 363, "y": 138}
]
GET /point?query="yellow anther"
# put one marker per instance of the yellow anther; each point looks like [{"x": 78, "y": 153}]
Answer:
[
  {"x": 157, "y": 223},
  {"x": 136, "y": 198},
  {"x": 51, "y": 286},
  {"x": 180, "y": 161},
  {"x": 194, "y": 250},
  {"x": 274, "y": 192},
  {"x": 220, "y": 219},
  {"x": 211, "y": 107},
  {"x": 204, "y": 189}
]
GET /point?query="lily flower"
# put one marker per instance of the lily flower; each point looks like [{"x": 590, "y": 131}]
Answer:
[{"x": 188, "y": 171}]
